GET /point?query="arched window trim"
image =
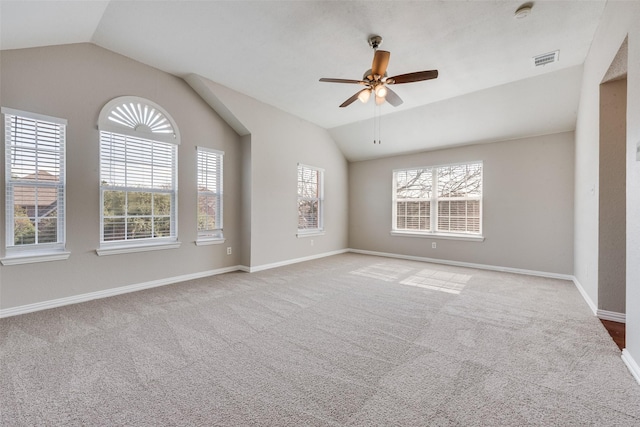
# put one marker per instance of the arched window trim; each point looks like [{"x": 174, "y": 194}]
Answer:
[{"x": 142, "y": 118}]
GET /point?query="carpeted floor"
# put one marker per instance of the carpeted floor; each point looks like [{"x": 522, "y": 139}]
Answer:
[{"x": 349, "y": 340}]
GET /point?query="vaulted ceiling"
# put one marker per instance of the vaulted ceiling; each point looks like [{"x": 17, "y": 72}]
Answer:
[{"x": 275, "y": 51}]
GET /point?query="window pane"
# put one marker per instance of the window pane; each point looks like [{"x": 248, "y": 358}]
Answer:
[
  {"x": 443, "y": 223},
  {"x": 415, "y": 216},
  {"x": 308, "y": 214},
  {"x": 139, "y": 203},
  {"x": 162, "y": 226},
  {"x": 444, "y": 208},
  {"x": 413, "y": 184},
  {"x": 23, "y": 226},
  {"x": 207, "y": 212},
  {"x": 48, "y": 226},
  {"x": 161, "y": 204},
  {"x": 460, "y": 180},
  {"x": 473, "y": 225},
  {"x": 114, "y": 229},
  {"x": 473, "y": 208},
  {"x": 113, "y": 203},
  {"x": 139, "y": 228}
]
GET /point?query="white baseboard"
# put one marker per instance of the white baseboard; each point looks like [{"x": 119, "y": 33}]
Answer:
[
  {"x": 44, "y": 305},
  {"x": 585, "y": 296},
  {"x": 59, "y": 302},
  {"x": 631, "y": 364},
  {"x": 467, "y": 264},
  {"x": 612, "y": 315},
  {"x": 293, "y": 261}
]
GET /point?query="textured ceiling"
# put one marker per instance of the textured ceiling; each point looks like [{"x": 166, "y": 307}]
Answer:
[{"x": 276, "y": 51}]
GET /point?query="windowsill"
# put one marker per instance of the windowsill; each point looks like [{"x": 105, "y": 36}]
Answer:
[
  {"x": 467, "y": 237},
  {"x": 30, "y": 257},
  {"x": 309, "y": 233},
  {"x": 127, "y": 249},
  {"x": 210, "y": 241}
]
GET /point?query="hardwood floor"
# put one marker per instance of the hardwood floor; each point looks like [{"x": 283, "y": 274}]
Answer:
[{"x": 616, "y": 330}]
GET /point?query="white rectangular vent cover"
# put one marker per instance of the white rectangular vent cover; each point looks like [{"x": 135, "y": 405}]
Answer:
[{"x": 546, "y": 58}]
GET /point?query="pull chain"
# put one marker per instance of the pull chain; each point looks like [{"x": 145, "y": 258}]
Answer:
[{"x": 376, "y": 124}]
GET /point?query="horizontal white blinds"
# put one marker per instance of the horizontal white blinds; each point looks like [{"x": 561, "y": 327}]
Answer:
[
  {"x": 210, "y": 190},
  {"x": 132, "y": 162},
  {"x": 35, "y": 148},
  {"x": 310, "y": 196},
  {"x": 445, "y": 199},
  {"x": 138, "y": 188},
  {"x": 209, "y": 170},
  {"x": 35, "y": 181}
]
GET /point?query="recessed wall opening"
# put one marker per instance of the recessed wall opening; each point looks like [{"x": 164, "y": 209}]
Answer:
[{"x": 612, "y": 190}]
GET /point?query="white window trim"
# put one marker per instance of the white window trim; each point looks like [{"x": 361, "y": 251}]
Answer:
[
  {"x": 204, "y": 237},
  {"x": 42, "y": 252},
  {"x": 138, "y": 246},
  {"x": 202, "y": 241},
  {"x": 105, "y": 124},
  {"x": 436, "y": 235},
  {"x": 31, "y": 257},
  {"x": 433, "y": 233},
  {"x": 308, "y": 232}
]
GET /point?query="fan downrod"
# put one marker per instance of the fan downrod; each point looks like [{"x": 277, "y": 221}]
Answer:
[{"x": 375, "y": 41}]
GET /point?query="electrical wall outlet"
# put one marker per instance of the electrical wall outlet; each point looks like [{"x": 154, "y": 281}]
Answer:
[
  {"x": 229, "y": 250},
  {"x": 638, "y": 151},
  {"x": 433, "y": 245},
  {"x": 311, "y": 242}
]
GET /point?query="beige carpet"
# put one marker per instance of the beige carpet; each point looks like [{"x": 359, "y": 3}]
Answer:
[{"x": 349, "y": 340}]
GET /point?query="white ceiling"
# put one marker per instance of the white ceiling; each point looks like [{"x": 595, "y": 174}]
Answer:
[{"x": 275, "y": 51}]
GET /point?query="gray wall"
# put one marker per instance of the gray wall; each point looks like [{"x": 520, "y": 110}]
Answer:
[
  {"x": 612, "y": 198},
  {"x": 619, "y": 20},
  {"x": 74, "y": 82},
  {"x": 527, "y": 205},
  {"x": 279, "y": 141}
]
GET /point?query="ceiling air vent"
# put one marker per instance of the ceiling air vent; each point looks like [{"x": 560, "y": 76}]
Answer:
[{"x": 546, "y": 58}]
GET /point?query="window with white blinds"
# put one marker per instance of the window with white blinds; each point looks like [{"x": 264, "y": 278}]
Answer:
[
  {"x": 138, "y": 188},
  {"x": 310, "y": 199},
  {"x": 138, "y": 174},
  {"x": 209, "y": 193},
  {"x": 439, "y": 199},
  {"x": 34, "y": 182}
]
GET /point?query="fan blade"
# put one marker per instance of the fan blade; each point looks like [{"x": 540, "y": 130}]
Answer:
[
  {"x": 393, "y": 98},
  {"x": 360, "y": 82},
  {"x": 412, "y": 77},
  {"x": 380, "y": 62},
  {"x": 352, "y": 99}
]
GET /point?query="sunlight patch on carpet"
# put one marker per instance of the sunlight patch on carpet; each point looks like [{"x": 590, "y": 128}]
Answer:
[
  {"x": 383, "y": 271},
  {"x": 438, "y": 281}
]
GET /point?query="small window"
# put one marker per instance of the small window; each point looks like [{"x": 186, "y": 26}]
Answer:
[
  {"x": 35, "y": 183},
  {"x": 138, "y": 174},
  {"x": 444, "y": 200},
  {"x": 310, "y": 199},
  {"x": 209, "y": 194}
]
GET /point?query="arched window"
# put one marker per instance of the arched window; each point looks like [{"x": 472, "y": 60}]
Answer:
[{"x": 138, "y": 176}]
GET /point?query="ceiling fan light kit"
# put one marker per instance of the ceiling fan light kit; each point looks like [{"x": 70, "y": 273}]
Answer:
[
  {"x": 376, "y": 79},
  {"x": 364, "y": 95}
]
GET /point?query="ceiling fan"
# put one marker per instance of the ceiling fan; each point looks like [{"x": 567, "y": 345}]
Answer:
[{"x": 376, "y": 81}]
